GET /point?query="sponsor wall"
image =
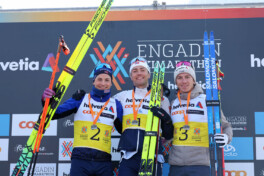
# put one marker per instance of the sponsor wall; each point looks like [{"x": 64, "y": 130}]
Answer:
[{"x": 163, "y": 35}]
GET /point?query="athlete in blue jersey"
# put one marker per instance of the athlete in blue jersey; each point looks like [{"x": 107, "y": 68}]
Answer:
[{"x": 95, "y": 115}]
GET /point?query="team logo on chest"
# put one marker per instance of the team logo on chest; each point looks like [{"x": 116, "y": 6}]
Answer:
[
  {"x": 128, "y": 121},
  {"x": 199, "y": 105},
  {"x": 111, "y": 109},
  {"x": 106, "y": 133},
  {"x": 196, "y": 131},
  {"x": 84, "y": 129}
]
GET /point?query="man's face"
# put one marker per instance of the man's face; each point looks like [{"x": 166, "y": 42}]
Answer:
[
  {"x": 102, "y": 82},
  {"x": 140, "y": 76},
  {"x": 185, "y": 82}
]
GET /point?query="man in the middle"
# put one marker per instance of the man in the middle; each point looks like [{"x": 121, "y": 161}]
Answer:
[{"x": 135, "y": 105}]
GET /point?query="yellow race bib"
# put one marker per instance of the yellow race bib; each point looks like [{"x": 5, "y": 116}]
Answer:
[
  {"x": 141, "y": 118},
  {"x": 99, "y": 138},
  {"x": 197, "y": 135}
]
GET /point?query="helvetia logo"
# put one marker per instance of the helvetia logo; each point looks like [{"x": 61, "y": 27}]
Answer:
[
  {"x": 111, "y": 109},
  {"x": 21, "y": 65},
  {"x": 199, "y": 105},
  {"x": 256, "y": 62}
]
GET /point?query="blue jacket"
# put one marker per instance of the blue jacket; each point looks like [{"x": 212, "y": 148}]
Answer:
[{"x": 72, "y": 105}]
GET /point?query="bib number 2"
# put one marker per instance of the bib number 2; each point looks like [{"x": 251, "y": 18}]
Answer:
[{"x": 94, "y": 137}]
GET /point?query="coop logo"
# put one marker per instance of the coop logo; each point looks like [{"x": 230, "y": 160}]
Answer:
[
  {"x": 21, "y": 65},
  {"x": 65, "y": 150},
  {"x": 235, "y": 173},
  {"x": 22, "y": 125},
  {"x": 177, "y": 112},
  {"x": 239, "y": 169},
  {"x": 114, "y": 56}
]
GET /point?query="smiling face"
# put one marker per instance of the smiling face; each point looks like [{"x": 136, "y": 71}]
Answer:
[
  {"x": 185, "y": 82},
  {"x": 140, "y": 76},
  {"x": 102, "y": 82}
]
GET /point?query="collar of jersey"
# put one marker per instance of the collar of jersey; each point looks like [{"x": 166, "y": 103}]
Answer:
[{"x": 100, "y": 95}]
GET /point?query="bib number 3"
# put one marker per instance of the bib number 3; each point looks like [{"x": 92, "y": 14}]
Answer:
[{"x": 184, "y": 135}]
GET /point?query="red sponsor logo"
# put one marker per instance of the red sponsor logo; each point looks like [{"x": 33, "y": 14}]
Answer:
[
  {"x": 27, "y": 124},
  {"x": 131, "y": 106},
  {"x": 177, "y": 112},
  {"x": 89, "y": 112}
]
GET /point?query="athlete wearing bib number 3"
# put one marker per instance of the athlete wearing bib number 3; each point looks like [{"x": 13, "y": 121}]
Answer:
[
  {"x": 95, "y": 115},
  {"x": 189, "y": 155},
  {"x": 135, "y": 105}
]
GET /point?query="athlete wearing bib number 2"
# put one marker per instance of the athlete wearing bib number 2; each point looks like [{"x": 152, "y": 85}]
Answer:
[
  {"x": 135, "y": 105},
  {"x": 95, "y": 115},
  {"x": 189, "y": 155}
]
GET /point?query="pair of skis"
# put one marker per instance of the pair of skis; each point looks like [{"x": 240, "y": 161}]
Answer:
[
  {"x": 62, "y": 46},
  {"x": 213, "y": 105},
  {"x": 63, "y": 83},
  {"x": 151, "y": 137}
]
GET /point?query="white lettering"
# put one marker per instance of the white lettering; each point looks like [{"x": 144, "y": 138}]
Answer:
[
  {"x": 256, "y": 61},
  {"x": 22, "y": 65}
]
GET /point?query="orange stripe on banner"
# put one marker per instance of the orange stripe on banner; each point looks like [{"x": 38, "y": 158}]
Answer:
[
  {"x": 175, "y": 14},
  {"x": 101, "y": 46},
  {"x": 119, "y": 54}
]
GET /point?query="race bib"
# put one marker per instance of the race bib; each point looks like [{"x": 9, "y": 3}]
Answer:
[
  {"x": 197, "y": 135},
  {"x": 99, "y": 138}
]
